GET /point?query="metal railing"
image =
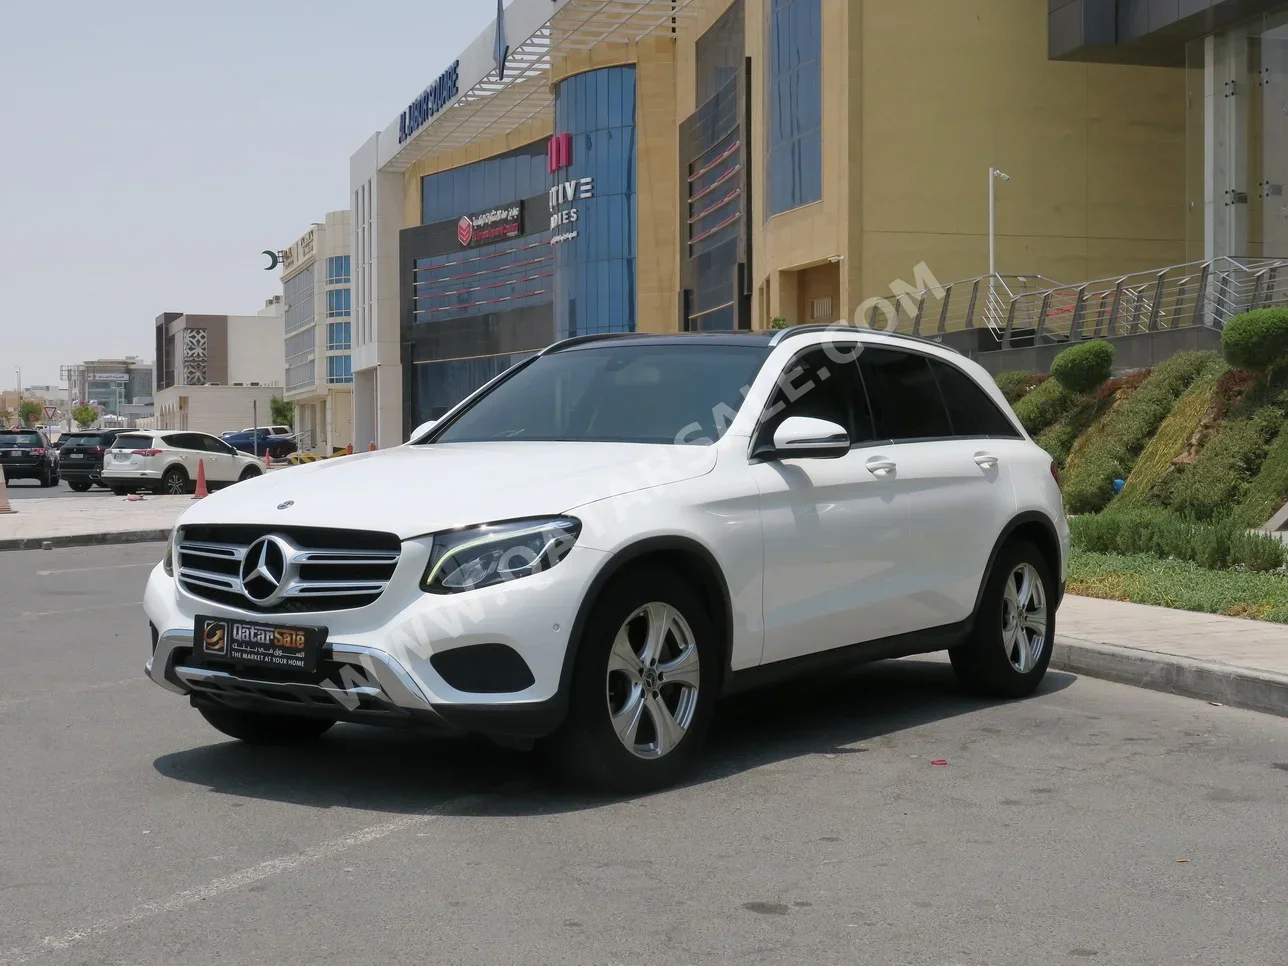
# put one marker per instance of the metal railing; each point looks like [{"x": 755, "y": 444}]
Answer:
[
  {"x": 967, "y": 304},
  {"x": 1205, "y": 293}
]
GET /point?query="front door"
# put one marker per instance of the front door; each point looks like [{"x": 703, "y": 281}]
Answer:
[
  {"x": 954, "y": 452},
  {"x": 833, "y": 528}
]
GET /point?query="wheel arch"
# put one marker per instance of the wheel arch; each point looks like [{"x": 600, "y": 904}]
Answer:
[
  {"x": 1036, "y": 527},
  {"x": 686, "y": 553}
]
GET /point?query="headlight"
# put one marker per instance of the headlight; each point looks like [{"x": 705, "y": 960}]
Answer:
[
  {"x": 167, "y": 562},
  {"x": 496, "y": 552}
]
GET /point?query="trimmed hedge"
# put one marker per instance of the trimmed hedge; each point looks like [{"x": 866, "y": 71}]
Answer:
[
  {"x": 1214, "y": 546},
  {"x": 1082, "y": 367},
  {"x": 1059, "y": 440},
  {"x": 1155, "y": 461},
  {"x": 1044, "y": 406},
  {"x": 1016, "y": 385},
  {"x": 1121, "y": 436},
  {"x": 1218, "y": 481},
  {"x": 1256, "y": 339},
  {"x": 1269, "y": 489}
]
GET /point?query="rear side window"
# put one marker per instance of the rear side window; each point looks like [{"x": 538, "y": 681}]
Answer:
[
  {"x": 972, "y": 412},
  {"x": 133, "y": 442},
  {"x": 904, "y": 396}
]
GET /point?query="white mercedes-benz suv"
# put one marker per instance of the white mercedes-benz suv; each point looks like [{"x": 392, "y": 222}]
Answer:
[{"x": 597, "y": 545}]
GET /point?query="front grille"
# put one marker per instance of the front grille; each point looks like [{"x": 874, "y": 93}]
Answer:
[{"x": 320, "y": 568}]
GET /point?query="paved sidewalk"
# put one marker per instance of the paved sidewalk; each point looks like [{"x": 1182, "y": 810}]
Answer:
[
  {"x": 79, "y": 523},
  {"x": 1232, "y": 660}
]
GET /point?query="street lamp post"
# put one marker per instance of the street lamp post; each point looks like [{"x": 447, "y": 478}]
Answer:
[{"x": 993, "y": 175}]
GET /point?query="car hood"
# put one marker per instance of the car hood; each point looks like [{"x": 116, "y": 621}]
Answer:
[{"x": 414, "y": 490}]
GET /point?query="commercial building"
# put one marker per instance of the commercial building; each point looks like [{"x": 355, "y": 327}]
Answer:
[
  {"x": 319, "y": 377},
  {"x": 111, "y": 385},
  {"x": 216, "y": 373},
  {"x": 587, "y": 167}
]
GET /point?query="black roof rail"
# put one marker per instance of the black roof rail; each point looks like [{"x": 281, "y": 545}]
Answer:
[
  {"x": 792, "y": 330},
  {"x": 582, "y": 339}
]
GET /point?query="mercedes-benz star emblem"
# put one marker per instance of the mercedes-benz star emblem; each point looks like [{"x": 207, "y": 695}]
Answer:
[
  {"x": 263, "y": 569},
  {"x": 287, "y": 505}
]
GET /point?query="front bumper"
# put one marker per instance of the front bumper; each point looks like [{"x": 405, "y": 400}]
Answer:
[{"x": 378, "y": 666}]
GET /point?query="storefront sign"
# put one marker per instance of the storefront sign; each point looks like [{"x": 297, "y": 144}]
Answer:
[
  {"x": 433, "y": 99},
  {"x": 108, "y": 376},
  {"x": 491, "y": 225},
  {"x": 563, "y": 218}
]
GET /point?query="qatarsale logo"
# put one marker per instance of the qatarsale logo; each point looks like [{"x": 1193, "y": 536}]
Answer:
[{"x": 464, "y": 230}]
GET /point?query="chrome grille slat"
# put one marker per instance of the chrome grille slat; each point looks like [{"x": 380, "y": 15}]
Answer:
[{"x": 320, "y": 568}]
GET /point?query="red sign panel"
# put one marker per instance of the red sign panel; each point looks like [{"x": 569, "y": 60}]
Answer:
[
  {"x": 559, "y": 152},
  {"x": 464, "y": 231}
]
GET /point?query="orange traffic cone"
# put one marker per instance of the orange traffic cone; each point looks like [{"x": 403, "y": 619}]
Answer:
[
  {"x": 348, "y": 450},
  {"x": 201, "y": 480},
  {"x": 4, "y": 495},
  {"x": 372, "y": 448}
]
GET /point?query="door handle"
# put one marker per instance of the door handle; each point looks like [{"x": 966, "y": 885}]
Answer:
[
  {"x": 880, "y": 466},
  {"x": 986, "y": 461}
]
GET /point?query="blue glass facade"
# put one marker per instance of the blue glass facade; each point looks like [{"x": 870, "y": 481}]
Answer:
[
  {"x": 794, "y": 166},
  {"x": 594, "y": 266}
]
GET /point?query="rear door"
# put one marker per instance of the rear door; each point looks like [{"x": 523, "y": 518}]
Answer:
[
  {"x": 954, "y": 477},
  {"x": 187, "y": 450},
  {"x": 221, "y": 466}
]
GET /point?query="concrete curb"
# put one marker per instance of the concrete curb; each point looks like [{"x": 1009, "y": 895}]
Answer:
[
  {"x": 85, "y": 539},
  {"x": 1238, "y": 687}
]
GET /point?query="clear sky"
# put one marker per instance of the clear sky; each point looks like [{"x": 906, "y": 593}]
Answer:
[{"x": 151, "y": 149}]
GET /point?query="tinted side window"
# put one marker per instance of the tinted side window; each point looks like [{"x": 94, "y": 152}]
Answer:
[
  {"x": 905, "y": 397},
  {"x": 183, "y": 441},
  {"x": 973, "y": 412},
  {"x": 211, "y": 445},
  {"x": 820, "y": 387}
]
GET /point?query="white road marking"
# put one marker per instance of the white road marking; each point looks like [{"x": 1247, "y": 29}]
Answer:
[
  {"x": 81, "y": 570},
  {"x": 229, "y": 883},
  {"x": 27, "y": 615}
]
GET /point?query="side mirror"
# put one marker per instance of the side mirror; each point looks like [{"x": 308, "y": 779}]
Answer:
[
  {"x": 804, "y": 437},
  {"x": 421, "y": 430}
]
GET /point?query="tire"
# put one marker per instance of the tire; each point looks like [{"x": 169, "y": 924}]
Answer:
[
  {"x": 587, "y": 747},
  {"x": 47, "y": 479},
  {"x": 249, "y": 473},
  {"x": 79, "y": 487},
  {"x": 262, "y": 728},
  {"x": 119, "y": 491},
  {"x": 1006, "y": 658},
  {"x": 174, "y": 481}
]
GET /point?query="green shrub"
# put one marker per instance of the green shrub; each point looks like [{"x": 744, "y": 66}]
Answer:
[
  {"x": 1218, "y": 481},
  {"x": 1014, "y": 384},
  {"x": 1268, "y": 491},
  {"x": 1160, "y": 533},
  {"x": 1256, "y": 339},
  {"x": 1109, "y": 450},
  {"x": 1082, "y": 367},
  {"x": 1044, "y": 405}
]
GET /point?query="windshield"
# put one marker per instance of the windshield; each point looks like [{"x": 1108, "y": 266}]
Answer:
[
  {"x": 132, "y": 442},
  {"x": 19, "y": 439},
  {"x": 673, "y": 393}
]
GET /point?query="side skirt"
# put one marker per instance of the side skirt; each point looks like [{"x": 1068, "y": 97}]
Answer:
[{"x": 901, "y": 645}]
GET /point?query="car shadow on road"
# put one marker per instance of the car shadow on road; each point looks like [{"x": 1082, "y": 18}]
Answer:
[{"x": 405, "y": 772}]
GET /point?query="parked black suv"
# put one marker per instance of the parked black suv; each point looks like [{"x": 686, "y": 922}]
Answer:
[
  {"x": 81, "y": 457},
  {"x": 26, "y": 454}
]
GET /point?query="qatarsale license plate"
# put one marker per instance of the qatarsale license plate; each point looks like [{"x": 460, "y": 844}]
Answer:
[{"x": 263, "y": 645}]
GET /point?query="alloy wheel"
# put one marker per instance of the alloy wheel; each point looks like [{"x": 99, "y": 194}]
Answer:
[
  {"x": 653, "y": 678},
  {"x": 174, "y": 483},
  {"x": 1024, "y": 618}
]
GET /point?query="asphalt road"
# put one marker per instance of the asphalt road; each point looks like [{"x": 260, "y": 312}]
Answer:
[
  {"x": 1093, "y": 823},
  {"x": 32, "y": 490}
]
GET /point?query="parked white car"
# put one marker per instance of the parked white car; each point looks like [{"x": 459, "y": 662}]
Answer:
[
  {"x": 594, "y": 547},
  {"x": 167, "y": 461}
]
